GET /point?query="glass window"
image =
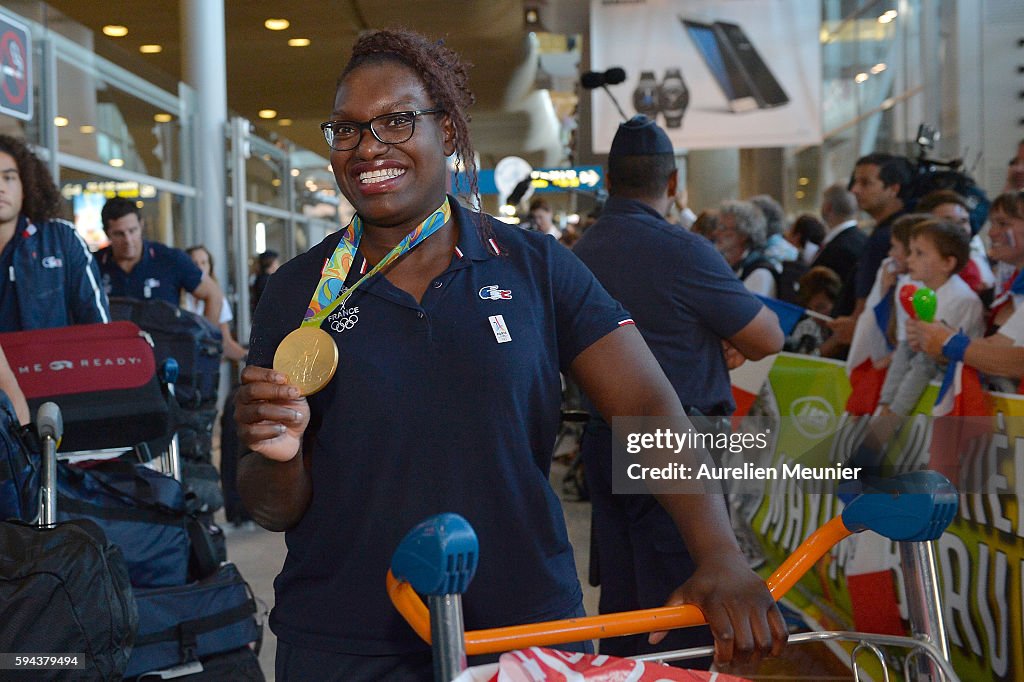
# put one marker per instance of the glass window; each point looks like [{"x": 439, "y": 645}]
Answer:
[
  {"x": 265, "y": 175},
  {"x": 99, "y": 121},
  {"x": 163, "y": 213}
]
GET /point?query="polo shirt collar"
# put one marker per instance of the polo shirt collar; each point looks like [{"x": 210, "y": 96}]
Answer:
[
  {"x": 469, "y": 248},
  {"x": 623, "y": 205},
  {"x": 470, "y": 243}
]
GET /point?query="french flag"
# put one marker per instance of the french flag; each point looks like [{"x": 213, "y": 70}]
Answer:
[
  {"x": 747, "y": 380},
  {"x": 962, "y": 418},
  {"x": 869, "y": 347}
]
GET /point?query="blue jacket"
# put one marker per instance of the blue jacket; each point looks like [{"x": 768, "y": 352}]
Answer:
[{"x": 55, "y": 277}]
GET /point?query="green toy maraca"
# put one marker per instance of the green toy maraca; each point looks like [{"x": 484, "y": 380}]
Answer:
[{"x": 925, "y": 304}]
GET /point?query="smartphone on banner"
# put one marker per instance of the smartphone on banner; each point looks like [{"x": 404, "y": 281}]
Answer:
[
  {"x": 724, "y": 67},
  {"x": 760, "y": 79}
]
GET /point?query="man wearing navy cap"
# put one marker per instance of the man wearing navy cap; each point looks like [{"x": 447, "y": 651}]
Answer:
[{"x": 693, "y": 312}]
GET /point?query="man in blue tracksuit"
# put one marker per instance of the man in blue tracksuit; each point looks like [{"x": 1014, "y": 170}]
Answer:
[{"x": 48, "y": 277}]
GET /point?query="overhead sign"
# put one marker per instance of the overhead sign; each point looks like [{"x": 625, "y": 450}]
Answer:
[
  {"x": 15, "y": 69},
  {"x": 578, "y": 178}
]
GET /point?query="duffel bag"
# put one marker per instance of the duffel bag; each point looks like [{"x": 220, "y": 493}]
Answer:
[
  {"x": 190, "y": 339},
  {"x": 179, "y": 625},
  {"x": 65, "y": 589},
  {"x": 19, "y": 468},
  {"x": 103, "y": 376},
  {"x": 142, "y": 511}
]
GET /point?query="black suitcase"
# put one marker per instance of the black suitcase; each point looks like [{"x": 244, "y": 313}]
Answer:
[
  {"x": 190, "y": 339},
  {"x": 64, "y": 589}
]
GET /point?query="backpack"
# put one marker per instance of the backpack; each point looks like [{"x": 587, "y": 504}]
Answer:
[{"x": 65, "y": 589}]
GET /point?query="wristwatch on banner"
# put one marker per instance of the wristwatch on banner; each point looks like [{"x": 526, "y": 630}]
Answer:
[
  {"x": 645, "y": 97},
  {"x": 673, "y": 98}
]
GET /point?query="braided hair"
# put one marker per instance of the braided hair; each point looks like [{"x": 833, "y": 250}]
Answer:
[
  {"x": 442, "y": 71},
  {"x": 41, "y": 200}
]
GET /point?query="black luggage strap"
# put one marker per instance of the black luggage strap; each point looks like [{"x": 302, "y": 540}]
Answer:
[
  {"x": 134, "y": 514},
  {"x": 187, "y": 632}
]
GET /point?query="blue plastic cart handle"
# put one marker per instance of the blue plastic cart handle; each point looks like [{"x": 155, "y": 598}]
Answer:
[
  {"x": 915, "y": 506},
  {"x": 439, "y": 556}
]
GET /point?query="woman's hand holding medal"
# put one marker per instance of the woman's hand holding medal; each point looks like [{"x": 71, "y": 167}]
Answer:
[{"x": 272, "y": 415}]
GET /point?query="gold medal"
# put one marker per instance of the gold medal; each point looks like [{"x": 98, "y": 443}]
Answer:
[{"x": 308, "y": 357}]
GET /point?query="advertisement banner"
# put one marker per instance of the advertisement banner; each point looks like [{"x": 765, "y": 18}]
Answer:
[
  {"x": 858, "y": 586},
  {"x": 713, "y": 73}
]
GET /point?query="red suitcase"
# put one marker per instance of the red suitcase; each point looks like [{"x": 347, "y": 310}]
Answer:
[{"x": 103, "y": 377}]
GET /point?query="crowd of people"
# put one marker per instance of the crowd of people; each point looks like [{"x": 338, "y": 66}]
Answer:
[{"x": 838, "y": 268}]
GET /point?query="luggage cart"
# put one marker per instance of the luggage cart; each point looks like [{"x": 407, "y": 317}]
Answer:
[{"x": 438, "y": 558}]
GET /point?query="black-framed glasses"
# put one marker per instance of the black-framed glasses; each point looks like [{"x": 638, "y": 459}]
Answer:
[{"x": 394, "y": 128}]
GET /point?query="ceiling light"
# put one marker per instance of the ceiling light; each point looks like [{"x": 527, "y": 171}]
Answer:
[
  {"x": 139, "y": 204},
  {"x": 295, "y": 172},
  {"x": 298, "y": 42},
  {"x": 162, "y": 118},
  {"x": 800, "y": 194},
  {"x": 804, "y": 181},
  {"x": 284, "y": 122},
  {"x": 88, "y": 130},
  {"x": 888, "y": 16},
  {"x": 276, "y": 182},
  {"x": 277, "y": 24},
  {"x": 860, "y": 77},
  {"x": 268, "y": 113},
  {"x": 878, "y": 68},
  {"x": 60, "y": 121},
  {"x": 151, "y": 49},
  {"x": 115, "y": 31},
  {"x": 116, "y": 163}
]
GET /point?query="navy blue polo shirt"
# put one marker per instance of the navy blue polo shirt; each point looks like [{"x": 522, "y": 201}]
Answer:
[
  {"x": 684, "y": 297},
  {"x": 447, "y": 405},
  {"x": 162, "y": 273}
]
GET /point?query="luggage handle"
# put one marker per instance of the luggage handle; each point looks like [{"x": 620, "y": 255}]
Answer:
[{"x": 50, "y": 426}]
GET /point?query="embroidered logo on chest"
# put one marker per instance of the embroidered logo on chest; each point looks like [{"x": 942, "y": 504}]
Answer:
[
  {"x": 52, "y": 262},
  {"x": 493, "y": 293}
]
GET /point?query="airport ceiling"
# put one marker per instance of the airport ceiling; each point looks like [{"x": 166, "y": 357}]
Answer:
[{"x": 263, "y": 72}]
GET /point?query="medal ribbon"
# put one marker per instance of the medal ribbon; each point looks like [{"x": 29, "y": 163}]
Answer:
[{"x": 326, "y": 299}]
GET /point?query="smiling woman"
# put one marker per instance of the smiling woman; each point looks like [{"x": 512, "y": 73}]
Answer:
[{"x": 405, "y": 391}]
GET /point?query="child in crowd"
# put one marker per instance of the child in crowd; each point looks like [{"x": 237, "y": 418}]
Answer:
[
  {"x": 878, "y": 329},
  {"x": 938, "y": 251},
  {"x": 819, "y": 290}
]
